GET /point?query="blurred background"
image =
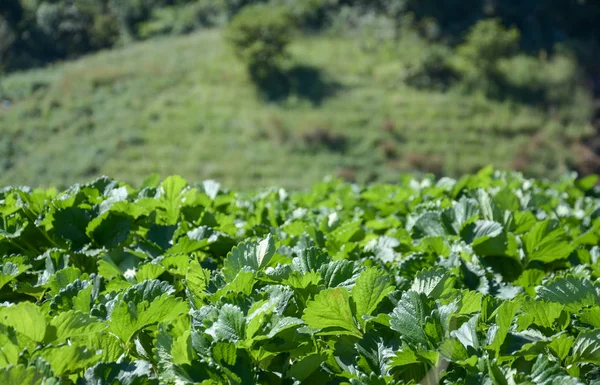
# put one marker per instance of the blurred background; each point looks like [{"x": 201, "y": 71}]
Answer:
[{"x": 284, "y": 92}]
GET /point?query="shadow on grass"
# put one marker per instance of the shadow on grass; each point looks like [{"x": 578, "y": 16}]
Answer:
[{"x": 302, "y": 81}]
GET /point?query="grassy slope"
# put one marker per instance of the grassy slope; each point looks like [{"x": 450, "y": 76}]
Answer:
[{"x": 184, "y": 105}]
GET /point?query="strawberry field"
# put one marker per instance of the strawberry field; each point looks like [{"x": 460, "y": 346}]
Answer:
[{"x": 488, "y": 279}]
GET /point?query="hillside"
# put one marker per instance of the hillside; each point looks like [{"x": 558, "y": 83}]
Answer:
[{"x": 185, "y": 105}]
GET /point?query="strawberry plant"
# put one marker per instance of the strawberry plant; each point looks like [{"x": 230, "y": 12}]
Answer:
[{"x": 488, "y": 279}]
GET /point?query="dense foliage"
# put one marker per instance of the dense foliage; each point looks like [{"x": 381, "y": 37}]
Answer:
[
  {"x": 259, "y": 35},
  {"x": 489, "y": 279},
  {"x": 78, "y": 26}
]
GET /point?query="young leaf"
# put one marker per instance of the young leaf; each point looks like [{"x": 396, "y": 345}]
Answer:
[
  {"x": 339, "y": 273},
  {"x": 135, "y": 373},
  {"x": 26, "y": 318},
  {"x": 255, "y": 256},
  {"x": 110, "y": 229},
  {"x": 331, "y": 309},
  {"x": 409, "y": 317},
  {"x": 429, "y": 225},
  {"x": 371, "y": 288},
  {"x": 547, "y": 372},
  {"x": 309, "y": 259},
  {"x": 544, "y": 313},
  {"x": 546, "y": 242},
  {"x": 467, "y": 333},
  {"x": 74, "y": 323},
  {"x": 574, "y": 293},
  {"x": 430, "y": 282},
  {"x": 230, "y": 326},
  {"x": 505, "y": 315},
  {"x": 587, "y": 347},
  {"x": 561, "y": 346},
  {"x": 21, "y": 375},
  {"x": 69, "y": 359}
]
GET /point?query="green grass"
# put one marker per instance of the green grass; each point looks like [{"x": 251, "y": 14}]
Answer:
[{"x": 185, "y": 105}]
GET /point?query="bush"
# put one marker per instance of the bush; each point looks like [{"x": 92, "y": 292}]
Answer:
[
  {"x": 477, "y": 57},
  {"x": 432, "y": 69},
  {"x": 259, "y": 35}
]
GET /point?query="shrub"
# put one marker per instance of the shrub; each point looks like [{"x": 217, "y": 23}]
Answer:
[
  {"x": 486, "y": 43},
  {"x": 259, "y": 35},
  {"x": 77, "y": 27},
  {"x": 432, "y": 69}
]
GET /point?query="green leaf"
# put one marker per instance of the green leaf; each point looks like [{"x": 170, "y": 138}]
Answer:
[
  {"x": 76, "y": 295},
  {"x": 544, "y": 313},
  {"x": 454, "y": 349},
  {"x": 429, "y": 225},
  {"x": 409, "y": 317},
  {"x": 106, "y": 344},
  {"x": 148, "y": 271},
  {"x": 480, "y": 231},
  {"x": 196, "y": 280},
  {"x": 587, "y": 347},
  {"x": 404, "y": 357},
  {"x": 301, "y": 369},
  {"x": 339, "y": 273},
  {"x": 430, "y": 282},
  {"x": 470, "y": 302},
  {"x": 383, "y": 248},
  {"x": 587, "y": 183},
  {"x": 10, "y": 271},
  {"x": 224, "y": 353},
  {"x": 547, "y": 242},
  {"x": 181, "y": 350},
  {"x": 590, "y": 316},
  {"x": 330, "y": 309},
  {"x": 110, "y": 229},
  {"x": 230, "y": 325},
  {"x": 547, "y": 372},
  {"x": 109, "y": 373},
  {"x": 467, "y": 333},
  {"x": 21, "y": 375},
  {"x": 255, "y": 256},
  {"x": 309, "y": 259},
  {"x": 172, "y": 189},
  {"x": 10, "y": 348},
  {"x": 75, "y": 323},
  {"x": 242, "y": 284},
  {"x": 505, "y": 315},
  {"x": 69, "y": 359},
  {"x": 283, "y": 324},
  {"x": 151, "y": 180},
  {"x": 143, "y": 305},
  {"x": 26, "y": 318},
  {"x": 70, "y": 223},
  {"x": 574, "y": 293},
  {"x": 464, "y": 211},
  {"x": 561, "y": 346},
  {"x": 370, "y": 289}
]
